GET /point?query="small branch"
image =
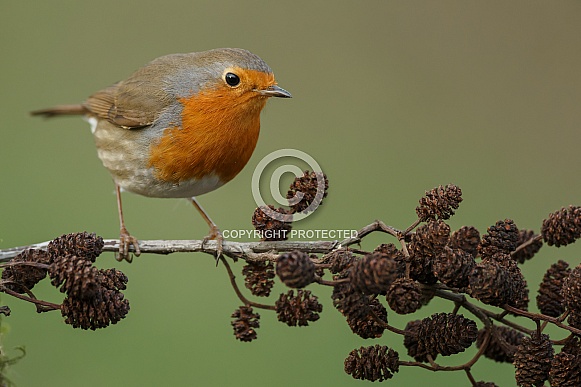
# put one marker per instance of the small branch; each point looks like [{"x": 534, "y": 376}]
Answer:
[
  {"x": 394, "y": 329},
  {"x": 24, "y": 263},
  {"x": 321, "y": 281},
  {"x": 527, "y": 244},
  {"x": 8, "y": 254},
  {"x": 537, "y": 317},
  {"x": 418, "y": 364},
  {"x": 432, "y": 362},
  {"x": 244, "y": 300},
  {"x": 45, "y": 306},
  {"x": 481, "y": 350},
  {"x": 432, "y": 366},
  {"x": 562, "y": 341},
  {"x": 483, "y": 314},
  {"x": 460, "y": 299},
  {"x": 500, "y": 318},
  {"x": 470, "y": 377},
  {"x": 378, "y": 225},
  {"x": 457, "y": 307},
  {"x": 412, "y": 226},
  {"x": 359, "y": 251},
  {"x": 250, "y": 251}
]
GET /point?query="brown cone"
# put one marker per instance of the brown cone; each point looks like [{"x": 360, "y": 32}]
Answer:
[
  {"x": 295, "y": 269},
  {"x": 374, "y": 273},
  {"x": 308, "y": 187},
  {"x": 532, "y": 360},
  {"x": 22, "y": 277},
  {"x": 426, "y": 244},
  {"x": 500, "y": 238},
  {"x": 467, "y": 238},
  {"x": 566, "y": 366},
  {"x": 572, "y": 290},
  {"x": 272, "y": 229},
  {"x": 258, "y": 277},
  {"x": 445, "y": 334},
  {"x": 453, "y": 267},
  {"x": 245, "y": 323},
  {"x": 83, "y": 245},
  {"x": 350, "y": 302},
  {"x": 298, "y": 310},
  {"x": 376, "y": 363},
  {"x": 94, "y": 313},
  {"x": 439, "y": 203},
  {"x": 562, "y": 227},
  {"x": 369, "y": 327},
  {"x": 550, "y": 299},
  {"x": 404, "y": 296}
]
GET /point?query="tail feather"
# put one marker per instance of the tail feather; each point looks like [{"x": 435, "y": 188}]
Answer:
[{"x": 61, "y": 110}]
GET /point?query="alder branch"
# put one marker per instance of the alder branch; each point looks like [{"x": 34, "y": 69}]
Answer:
[
  {"x": 474, "y": 272},
  {"x": 248, "y": 251}
]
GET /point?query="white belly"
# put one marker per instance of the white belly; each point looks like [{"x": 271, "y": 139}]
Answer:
[{"x": 184, "y": 189}]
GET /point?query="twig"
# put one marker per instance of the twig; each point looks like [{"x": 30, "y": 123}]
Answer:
[
  {"x": 321, "y": 281},
  {"x": 460, "y": 299},
  {"x": 46, "y": 306},
  {"x": 500, "y": 318},
  {"x": 378, "y": 225},
  {"x": 537, "y": 317},
  {"x": 470, "y": 377},
  {"x": 250, "y": 251},
  {"x": 526, "y": 244},
  {"x": 563, "y": 341},
  {"x": 393, "y": 329},
  {"x": 411, "y": 227},
  {"x": 385, "y": 325},
  {"x": 244, "y": 300}
]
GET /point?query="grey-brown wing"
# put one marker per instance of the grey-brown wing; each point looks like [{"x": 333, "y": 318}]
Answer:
[{"x": 129, "y": 104}]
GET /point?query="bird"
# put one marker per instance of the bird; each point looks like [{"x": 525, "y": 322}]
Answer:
[{"x": 181, "y": 126}]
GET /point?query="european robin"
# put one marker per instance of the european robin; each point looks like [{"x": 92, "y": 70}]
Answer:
[{"x": 179, "y": 127}]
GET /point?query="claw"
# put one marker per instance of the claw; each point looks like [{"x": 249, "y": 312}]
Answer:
[
  {"x": 217, "y": 236},
  {"x": 125, "y": 241},
  {"x": 214, "y": 234}
]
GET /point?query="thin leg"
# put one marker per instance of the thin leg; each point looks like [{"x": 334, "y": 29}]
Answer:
[
  {"x": 215, "y": 233},
  {"x": 125, "y": 239}
]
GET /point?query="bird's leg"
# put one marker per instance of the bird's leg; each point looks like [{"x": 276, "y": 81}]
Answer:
[
  {"x": 125, "y": 239},
  {"x": 215, "y": 233}
]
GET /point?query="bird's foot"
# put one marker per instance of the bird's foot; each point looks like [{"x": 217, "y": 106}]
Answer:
[
  {"x": 126, "y": 240},
  {"x": 215, "y": 235}
]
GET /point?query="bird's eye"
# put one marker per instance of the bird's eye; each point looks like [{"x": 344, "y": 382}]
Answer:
[{"x": 232, "y": 79}]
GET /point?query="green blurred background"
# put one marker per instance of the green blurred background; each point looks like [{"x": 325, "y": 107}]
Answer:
[{"x": 390, "y": 97}]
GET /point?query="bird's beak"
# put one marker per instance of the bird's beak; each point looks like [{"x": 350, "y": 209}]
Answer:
[{"x": 274, "y": 91}]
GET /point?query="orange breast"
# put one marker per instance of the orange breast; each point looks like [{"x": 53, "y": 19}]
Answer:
[{"x": 218, "y": 134}]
